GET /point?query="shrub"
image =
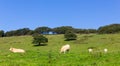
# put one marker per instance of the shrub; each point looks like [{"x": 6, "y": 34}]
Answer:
[{"x": 69, "y": 35}]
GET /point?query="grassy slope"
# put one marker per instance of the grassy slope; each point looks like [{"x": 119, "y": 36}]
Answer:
[{"x": 49, "y": 55}]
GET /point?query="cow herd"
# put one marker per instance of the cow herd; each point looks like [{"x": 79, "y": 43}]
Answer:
[{"x": 64, "y": 49}]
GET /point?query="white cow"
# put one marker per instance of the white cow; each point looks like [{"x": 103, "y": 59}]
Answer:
[
  {"x": 15, "y": 50},
  {"x": 65, "y": 48},
  {"x": 90, "y": 50},
  {"x": 105, "y": 50}
]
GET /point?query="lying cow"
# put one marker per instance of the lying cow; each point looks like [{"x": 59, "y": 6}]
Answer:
[
  {"x": 15, "y": 50},
  {"x": 65, "y": 48}
]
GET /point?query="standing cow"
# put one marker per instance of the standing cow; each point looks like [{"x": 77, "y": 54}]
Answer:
[{"x": 65, "y": 48}]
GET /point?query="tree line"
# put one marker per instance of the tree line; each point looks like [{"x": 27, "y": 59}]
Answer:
[{"x": 107, "y": 29}]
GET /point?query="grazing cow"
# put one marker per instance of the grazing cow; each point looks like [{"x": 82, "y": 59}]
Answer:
[
  {"x": 90, "y": 50},
  {"x": 14, "y": 50},
  {"x": 65, "y": 48},
  {"x": 105, "y": 50}
]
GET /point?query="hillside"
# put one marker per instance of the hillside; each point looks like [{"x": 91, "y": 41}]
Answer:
[{"x": 49, "y": 55}]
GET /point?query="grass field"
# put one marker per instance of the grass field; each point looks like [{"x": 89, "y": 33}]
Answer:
[{"x": 49, "y": 55}]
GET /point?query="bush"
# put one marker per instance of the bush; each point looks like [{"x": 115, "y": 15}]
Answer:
[{"x": 69, "y": 35}]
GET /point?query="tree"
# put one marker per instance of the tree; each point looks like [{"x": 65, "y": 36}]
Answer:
[
  {"x": 69, "y": 35},
  {"x": 31, "y": 32},
  {"x": 38, "y": 39},
  {"x": 109, "y": 29},
  {"x": 62, "y": 29},
  {"x": 10, "y": 33},
  {"x": 1, "y": 33},
  {"x": 42, "y": 30},
  {"x": 19, "y": 32},
  {"x": 23, "y": 31}
]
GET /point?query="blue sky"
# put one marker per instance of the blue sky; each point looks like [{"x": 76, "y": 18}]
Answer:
[{"x": 15, "y": 14}]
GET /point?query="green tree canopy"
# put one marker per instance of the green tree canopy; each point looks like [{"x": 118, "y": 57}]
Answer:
[
  {"x": 62, "y": 29},
  {"x": 19, "y": 32},
  {"x": 109, "y": 29},
  {"x": 42, "y": 30},
  {"x": 69, "y": 35},
  {"x": 38, "y": 39},
  {"x": 1, "y": 33}
]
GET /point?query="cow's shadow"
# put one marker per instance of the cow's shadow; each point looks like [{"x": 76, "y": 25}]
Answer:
[{"x": 69, "y": 39}]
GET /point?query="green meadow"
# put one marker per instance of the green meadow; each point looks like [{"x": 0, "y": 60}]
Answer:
[{"x": 49, "y": 55}]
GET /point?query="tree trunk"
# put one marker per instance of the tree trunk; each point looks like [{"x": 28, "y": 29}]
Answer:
[{"x": 39, "y": 44}]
